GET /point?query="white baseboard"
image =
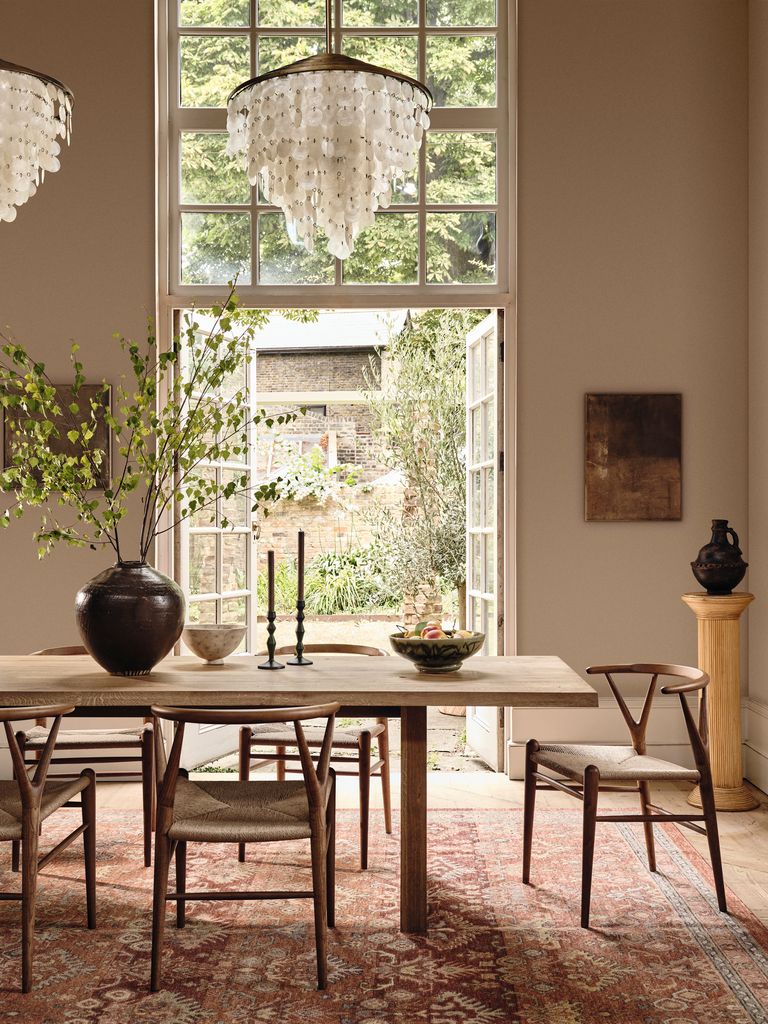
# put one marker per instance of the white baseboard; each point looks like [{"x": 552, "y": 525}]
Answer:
[{"x": 756, "y": 744}]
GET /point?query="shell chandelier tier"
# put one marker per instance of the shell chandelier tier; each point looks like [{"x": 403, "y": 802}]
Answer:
[
  {"x": 35, "y": 112},
  {"x": 328, "y": 137}
]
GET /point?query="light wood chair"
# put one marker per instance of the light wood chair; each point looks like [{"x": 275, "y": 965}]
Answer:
[
  {"x": 115, "y": 740},
  {"x": 349, "y": 738},
  {"x": 25, "y": 803},
  {"x": 254, "y": 812},
  {"x": 587, "y": 766}
]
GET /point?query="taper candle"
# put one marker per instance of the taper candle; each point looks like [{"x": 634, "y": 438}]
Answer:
[
  {"x": 270, "y": 581},
  {"x": 300, "y": 594}
]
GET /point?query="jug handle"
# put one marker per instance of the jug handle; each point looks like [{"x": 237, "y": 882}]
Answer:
[{"x": 734, "y": 535}]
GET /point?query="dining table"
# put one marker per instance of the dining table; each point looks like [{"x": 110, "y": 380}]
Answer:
[{"x": 364, "y": 686}]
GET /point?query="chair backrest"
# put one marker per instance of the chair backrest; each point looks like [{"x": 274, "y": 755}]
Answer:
[
  {"x": 31, "y": 789},
  {"x": 693, "y": 681},
  {"x": 58, "y": 651},
  {"x": 315, "y": 775},
  {"x": 371, "y": 652}
]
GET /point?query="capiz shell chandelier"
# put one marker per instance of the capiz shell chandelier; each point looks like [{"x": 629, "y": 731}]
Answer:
[
  {"x": 328, "y": 137},
  {"x": 35, "y": 112}
]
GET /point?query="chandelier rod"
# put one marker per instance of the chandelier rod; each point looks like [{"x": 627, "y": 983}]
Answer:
[
  {"x": 6, "y": 65},
  {"x": 328, "y": 29}
]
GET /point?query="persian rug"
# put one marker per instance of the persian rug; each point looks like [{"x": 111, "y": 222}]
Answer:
[{"x": 498, "y": 952}]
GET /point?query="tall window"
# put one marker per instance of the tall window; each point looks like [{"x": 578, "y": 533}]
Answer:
[{"x": 447, "y": 226}]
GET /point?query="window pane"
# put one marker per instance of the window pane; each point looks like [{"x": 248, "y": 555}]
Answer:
[
  {"x": 235, "y": 508},
  {"x": 477, "y": 435},
  {"x": 461, "y": 248},
  {"x": 477, "y": 372},
  {"x": 291, "y": 13},
  {"x": 275, "y": 51},
  {"x": 208, "y": 175},
  {"x": 233, "y": 562},
  {"x": 461, "y": 12},
  {"x": 233, "y": 612},
  {"x": 211, "y": 67},
  {"x": 397, "y": 53},
  {"x": 461, "y": 70},
  {"x": 380, "y": 12},
  {"x": 490, "y": 429},
  {"x": 201, "y": 611},
  {"x": 216, "y": 13},
  {"x": 215, "y": 248},
  {"x": 491, "y": 356},
  {"x": 202, "y": 563},
  {"x": 406, "y": 190},
  {"x": 205, "y": 516},
  {"x": 282, "y": 262},
  {"x": 385, "y": 253},
  {"x": 461, "y": 167}
]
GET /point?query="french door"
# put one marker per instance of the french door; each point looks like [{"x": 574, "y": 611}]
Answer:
[
  {"x": 485, "y": 516},
  {"x": 216, "y": 565}
]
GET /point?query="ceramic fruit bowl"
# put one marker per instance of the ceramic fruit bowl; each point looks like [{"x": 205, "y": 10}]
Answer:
[
  {"x": 437, "y": 654},
  {"x": 212, "y": 641}
]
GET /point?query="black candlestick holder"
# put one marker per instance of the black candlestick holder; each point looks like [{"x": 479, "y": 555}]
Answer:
[
  {"x": 271, "y": 644},
  {"x": 299, "y": 659}
]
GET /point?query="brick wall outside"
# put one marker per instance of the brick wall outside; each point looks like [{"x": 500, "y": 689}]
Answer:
[{"x": 312, "y": 371}]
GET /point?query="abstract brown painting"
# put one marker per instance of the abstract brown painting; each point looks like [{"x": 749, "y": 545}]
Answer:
[{"x": 633, "y": 457}]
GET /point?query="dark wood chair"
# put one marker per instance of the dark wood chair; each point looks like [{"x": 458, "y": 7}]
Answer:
[
  {"x": 116, "y": 741},
  {"x": 25, "y": 803},
  {"x": 355, "y": 738},
  {"x": 586, "y": 766},
  {"x": 254, "y": 812}
]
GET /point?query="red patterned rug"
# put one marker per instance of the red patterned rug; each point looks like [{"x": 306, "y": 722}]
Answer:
[{"x": 658, "y": 952}]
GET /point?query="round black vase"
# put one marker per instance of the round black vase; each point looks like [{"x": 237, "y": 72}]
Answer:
[{"x": 129, "y": 617}]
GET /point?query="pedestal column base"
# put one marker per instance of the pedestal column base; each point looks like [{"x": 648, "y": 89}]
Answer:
[{"x": 739, "y": 799}]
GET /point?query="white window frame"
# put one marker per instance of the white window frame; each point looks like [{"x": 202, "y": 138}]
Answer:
[
  {"x": 173, "y": 119},
  {"x": 502, "y": 295}
]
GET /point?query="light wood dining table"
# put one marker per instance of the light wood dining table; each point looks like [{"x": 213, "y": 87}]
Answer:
[{"x": 364, "y": 686}]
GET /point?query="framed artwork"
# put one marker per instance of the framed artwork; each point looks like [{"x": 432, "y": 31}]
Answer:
[
  {"x": 632, "y": 467},
  {"x": 62, "y": 445}
]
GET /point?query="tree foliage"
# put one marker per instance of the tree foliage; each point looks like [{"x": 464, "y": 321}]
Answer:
[
  {"x": 461, "y": 167},
  {"x": 419, "y": 415}
]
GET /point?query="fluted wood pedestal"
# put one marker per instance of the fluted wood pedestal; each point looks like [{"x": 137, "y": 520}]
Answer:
[{"x": 718, "y": 626}]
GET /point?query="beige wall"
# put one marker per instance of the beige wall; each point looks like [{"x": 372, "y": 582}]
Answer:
[
  {"x": 78, "y": 260},
  {"x": 757, "y": 742},
  {"x": 632, "y": 276}
]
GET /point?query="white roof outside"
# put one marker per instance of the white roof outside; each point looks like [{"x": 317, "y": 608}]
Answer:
[{"x": 333, "y": 329}]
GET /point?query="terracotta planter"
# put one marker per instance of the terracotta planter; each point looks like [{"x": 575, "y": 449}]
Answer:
[{"x": 129, "y": 617}]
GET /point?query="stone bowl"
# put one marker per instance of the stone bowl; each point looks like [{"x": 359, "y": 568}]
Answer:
[
  {"x": 212, "y": 641},
  {"x": 441, "y": 655}
]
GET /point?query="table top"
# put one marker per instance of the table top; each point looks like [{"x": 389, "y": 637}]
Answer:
[{"x": 522, "y": 681}]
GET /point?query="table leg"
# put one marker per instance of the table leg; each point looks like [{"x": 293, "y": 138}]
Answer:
[{"x": 413, "y": 820}]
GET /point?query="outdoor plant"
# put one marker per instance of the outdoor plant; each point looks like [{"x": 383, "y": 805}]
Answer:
[
  {"x": 354, "y": 580},
  {"x": 163, "y": 446},
  {"x": 306, "y": 476}
]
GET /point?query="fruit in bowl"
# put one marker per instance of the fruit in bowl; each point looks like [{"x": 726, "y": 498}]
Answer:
[{"x": 433, "y": 648}]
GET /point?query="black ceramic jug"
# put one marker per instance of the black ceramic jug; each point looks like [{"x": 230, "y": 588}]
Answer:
[{"x": 720, "y": 567}]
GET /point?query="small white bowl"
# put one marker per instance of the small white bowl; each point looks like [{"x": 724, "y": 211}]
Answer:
[{"x": 212, "y": 641}]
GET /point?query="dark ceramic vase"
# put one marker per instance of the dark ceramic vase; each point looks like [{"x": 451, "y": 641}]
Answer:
[
  {"x": 720, "y": 567},
  {"x": 129, "y": 617}
]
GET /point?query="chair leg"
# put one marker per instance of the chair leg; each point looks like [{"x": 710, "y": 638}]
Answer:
[
  {"x": 280, "y": 766},
  {"x": 162, "y": 862},
  {"x": 529, "y": 808},
  {"x": 591, "y": 786},
  {"x": 364, "y": 772},
  {"x": 330, "y": 857},
  {"x": 29, "y": 851},
  {"x": 88, "y": 798},
  {"x": 244, "y": 773},
  {"x": 16, "y": 844},
  {"x": 181, "y": 882},
  {"x": 383, "y": 742},
  {"x": 320, "y": 900},
  {"x": 713, "y": 839},
  {"x": 147, "y": 793},
  {"x": 645, "y": 799}
]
